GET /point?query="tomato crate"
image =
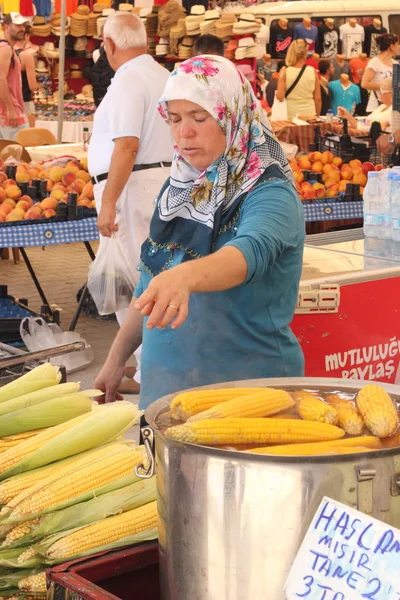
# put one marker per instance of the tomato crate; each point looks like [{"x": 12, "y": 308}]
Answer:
[{"x": 128, "y": 574}]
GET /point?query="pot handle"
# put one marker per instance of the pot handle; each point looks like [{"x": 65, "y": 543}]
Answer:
[{"x": 148, "y": 440}]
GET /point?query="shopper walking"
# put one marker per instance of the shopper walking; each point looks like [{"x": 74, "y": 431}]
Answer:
[
  {"x": 221, "y": 268},
  {"x": 299, "y": 83},
  {"x": 12, "y": 113},
  {"x": 379, "y": 68},
  {"x": 131, "y": 147},
  {"x": 25, "y": 53}
]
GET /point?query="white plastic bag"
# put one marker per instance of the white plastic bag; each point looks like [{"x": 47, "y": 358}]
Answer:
[
  {"x": 39, "y": 335},
  {"x": 111, "y": 276},
  {"x": 279, "y": 110}
]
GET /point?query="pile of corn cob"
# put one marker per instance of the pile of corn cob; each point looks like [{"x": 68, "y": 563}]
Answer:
[
  {"x": 67, "y": 480},
  {"x": 273, "y": 421}
]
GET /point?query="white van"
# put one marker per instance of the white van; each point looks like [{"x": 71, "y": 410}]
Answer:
[{"x": 388, "y": 11}]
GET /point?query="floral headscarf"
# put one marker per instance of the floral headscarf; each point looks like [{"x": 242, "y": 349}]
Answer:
[{"x": 204, "y": 198}]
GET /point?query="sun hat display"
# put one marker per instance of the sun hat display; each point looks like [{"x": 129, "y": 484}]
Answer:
[
  {"x": 55, "y": 25},
  {"x": 208, "y": 26},
  {"x": 162, "y": 47},
  {"x": 55, "y": 71},
  {"x": 247, "y": 24},
  {"x": 168, "y": 16},
  {"x": 79, "y": 21},
  {"x": 144, "y": 12},
  {"x": 194, "y": 20},
  {"x": 224, "y": 26}
]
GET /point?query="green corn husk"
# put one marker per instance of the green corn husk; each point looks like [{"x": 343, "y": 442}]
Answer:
[
  {"x": 55, "y": 391},
  {"x": 12, "y": 578},
  {"x": 104, "y": 424},
  {"x": 42, "y": 377},
  {"x": 9, "y": 559},
  {"x": 46, "y": 414},
  {"x": 90, "y": 511},
  {"x": 42, "y": 473},
  {"x": 45, "y": 546}
]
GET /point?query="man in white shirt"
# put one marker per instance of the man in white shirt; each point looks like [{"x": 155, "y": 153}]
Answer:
[{"x": 131, "y": 147}]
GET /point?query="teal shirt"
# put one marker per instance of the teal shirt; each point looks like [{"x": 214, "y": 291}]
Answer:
[{"x": 241, "y": 333}]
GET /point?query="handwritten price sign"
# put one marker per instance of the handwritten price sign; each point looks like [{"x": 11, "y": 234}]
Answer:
[{"x": 346, "y": 555}]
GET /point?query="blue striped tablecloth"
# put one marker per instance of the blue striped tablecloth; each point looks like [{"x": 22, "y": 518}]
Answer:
[
  {"x": 330, "y": 209},
  {"x": 49, "y": 234}
]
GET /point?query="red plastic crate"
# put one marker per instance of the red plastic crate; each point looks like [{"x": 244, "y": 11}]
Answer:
[{"x": 120, "y": 575}]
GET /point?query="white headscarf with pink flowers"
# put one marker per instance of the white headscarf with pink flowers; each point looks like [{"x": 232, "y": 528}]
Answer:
[{"x": 215, "y": 84}]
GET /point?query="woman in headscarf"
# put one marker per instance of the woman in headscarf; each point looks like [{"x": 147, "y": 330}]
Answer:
[{"x": 220, "y": 270}]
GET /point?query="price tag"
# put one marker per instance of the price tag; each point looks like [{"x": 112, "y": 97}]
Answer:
[{"x": 346, "y": 555}]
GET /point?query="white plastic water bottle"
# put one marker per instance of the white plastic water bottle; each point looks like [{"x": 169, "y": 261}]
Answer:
[
  {"x": 372, "y": 206},
  {"x": 395, "y": 205},
  {"x": 385, "y": 232}
]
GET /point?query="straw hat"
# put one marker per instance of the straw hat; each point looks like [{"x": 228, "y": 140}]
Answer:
[
  {"x": 76, "y": 71},
  {"x": 42, "y": 67},
  {"x": 168, "y": 16},
  {"x": 98, "y": 8},
  {"x": 231, "y": 49},
  {"x": 144, "y": 12},
  {"x": 247, "y": 49},
  {"x": 208, "y": 26},
  {"x": 125, "y": 8},
  {"x": 177, "y": 32},
  {"x": 197, "y": 10},
  {"x": 79, "y": 21},
  {"x": 41, "y": 30},
  {"x": 39, "y": 21},
  {"x": 49, "y": 50},
  {"x": 186, "y": 48},
  {"x": 247, "y": 24}
]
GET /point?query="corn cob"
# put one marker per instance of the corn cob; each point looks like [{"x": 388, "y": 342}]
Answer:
[
  {"x": 20, "y": 531},
  {"x": 191, "y": 403},
  {"x": 13, "y": 440},
  {"x": 13, "y": 487},
  {"x": 349, "y": 418},
  {"x": 368, "y": 442},
  {"x": 30, "y": 483},
  {"x": 105, "y": 532},
  {"x": 217, "y": 432},
  {"x": 263, "y": 403},
  {"x": 54, "y": 491},
  {"x": 378, "y": 410},
  {"x": 11, "y": 457},
  {"x": 33, "y": 583},
  {"x": 102, "y": 425},
  {"x": 26, "y": 555},
  {"x": 311, "y": 408},
  {"x": 84, "y": 513}
]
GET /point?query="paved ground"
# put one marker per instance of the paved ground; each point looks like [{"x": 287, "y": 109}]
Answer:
[{"x": 62, "y": 270}]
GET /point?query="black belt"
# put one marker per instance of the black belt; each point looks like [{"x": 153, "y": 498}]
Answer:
[{"x": 103, "y": 176}]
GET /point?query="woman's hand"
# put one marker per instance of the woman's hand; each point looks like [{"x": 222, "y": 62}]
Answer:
[
  {"x": 166, "y": 300},
  {"x": 108, "y": 381}
]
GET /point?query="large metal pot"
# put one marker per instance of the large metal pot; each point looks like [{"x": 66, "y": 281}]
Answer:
[{"x": 231, "y": 523}]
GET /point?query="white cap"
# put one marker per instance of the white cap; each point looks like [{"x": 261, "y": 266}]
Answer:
[{"x": 17, "y": 19}]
